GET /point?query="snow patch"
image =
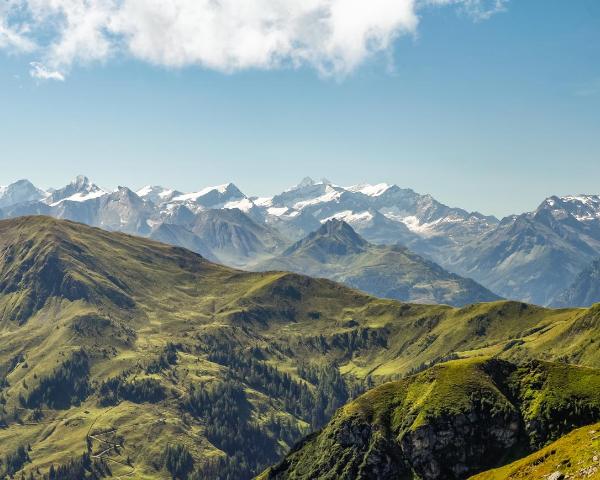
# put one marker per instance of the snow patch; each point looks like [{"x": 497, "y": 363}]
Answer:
[
  {"x": 196, "y": 195},
  {"x": 370, "y": 190},
  {"x": 245, "y": 205},
  {"x": 263, "y": 201},
  {"x": 145, "y": 191},
  {"x": 330, "y": 195},
  {"x": 277, "y": 211},
  {"x": 81, "y": 196},
  {"x": 351, "y": 217}
]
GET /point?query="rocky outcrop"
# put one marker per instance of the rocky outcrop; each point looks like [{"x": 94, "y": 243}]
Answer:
[
  {"x": 449, "y": 422},
  {"x": 455, "y": 446}
]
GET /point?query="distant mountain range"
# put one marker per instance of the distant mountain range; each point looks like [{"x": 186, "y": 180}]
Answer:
[
  {"x": 534, "y": 256},
  {"x": 337, "y": 252}
]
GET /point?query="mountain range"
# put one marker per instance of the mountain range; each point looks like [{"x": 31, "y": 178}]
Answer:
[
  {"x": 337, "y": 252},
  {"x": 532, "y": 256},
  {"x": 123, "y": 356}
]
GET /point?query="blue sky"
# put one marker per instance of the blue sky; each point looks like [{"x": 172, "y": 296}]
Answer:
[{"x": 490, "y": 114}]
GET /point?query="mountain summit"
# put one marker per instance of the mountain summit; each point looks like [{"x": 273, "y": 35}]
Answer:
[
  {"x": 21, "y": 191},
  {"x": 335, "y": 237},
  {"x": 337, "y": 252},
  {"x": 79, "y": 190}
]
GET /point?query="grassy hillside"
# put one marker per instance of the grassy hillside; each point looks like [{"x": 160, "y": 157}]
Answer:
[
  {"x": 337, "y": 252},
  {"x": 452, "y": 420},
  {"x": 108, "y": 340},
  {"x": 576, "y": 455}
]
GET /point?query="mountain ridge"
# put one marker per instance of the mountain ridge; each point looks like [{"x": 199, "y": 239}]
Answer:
[
  {"x": 530, "y": 257},
  {"x": 337, "y": 252}
]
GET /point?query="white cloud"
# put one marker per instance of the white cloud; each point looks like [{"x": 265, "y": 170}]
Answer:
[
  {"x": 477, "y": 9},
  {"x": 13, "y": 34},
  {"x": 40, "y": 72},
  {"x": 333, "y": 36}
]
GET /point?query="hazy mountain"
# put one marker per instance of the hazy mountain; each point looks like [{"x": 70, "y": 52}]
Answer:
[
  {"x": 124, "y": 211},
  {"x": 585, "y": 289},
  {"x": 108, "y": 338},
  {"x": 377, "y": 228},
  {"x": 293, "y": 227},
  {"x": 21, "y": 191},
  {"x": 536, "y": 255},
  {"x": 173, "y": 213},
  {"x": 337, "y": 252},
  {"x": 182, "y": 237},
  {"x": 234, "y": 237}
]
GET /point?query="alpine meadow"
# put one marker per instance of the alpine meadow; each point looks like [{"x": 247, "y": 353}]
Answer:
[{"x": 180, "y": 301}]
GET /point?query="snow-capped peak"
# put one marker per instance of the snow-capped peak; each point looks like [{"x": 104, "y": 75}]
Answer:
[
  {"x": 306, "y": 182},
  {"x": 20, "y": 191},
  {"x": 245, "y": 205},
  {"x": 352, "y": 218},
  {"x": 81, "y": 182},
  {"x": 148, "y": 190},
  {"x": 157, "y": 194},
  {"x": 220, "y": 189},
  {"x": 582, "y": 207},
  {"x": 79, "y": 190},
  {"x": 331, "y": 194},
  {"x": 370, "y": 190}
]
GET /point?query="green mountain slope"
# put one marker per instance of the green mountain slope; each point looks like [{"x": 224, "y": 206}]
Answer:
[
  {"x": 337, "y": 252},
  {"x": 575, "y": 455},
  {"x": 447, "y": 422},
  {"x": 120, "y": 353}
]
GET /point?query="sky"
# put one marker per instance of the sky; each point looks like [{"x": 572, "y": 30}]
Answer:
[{"x": 487, "y": 105}]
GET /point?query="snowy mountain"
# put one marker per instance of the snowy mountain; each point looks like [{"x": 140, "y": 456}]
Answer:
[
  {"x": 211, "y": 197},
  {"x": 536, "y": 255},
  {"x": 532, "y": 256},
  {"x": 157, "y": 194},
  {"x": 420, "y": 214},
  {"x": 21, "y": 191},
  {"x": 79, "y": 190}
]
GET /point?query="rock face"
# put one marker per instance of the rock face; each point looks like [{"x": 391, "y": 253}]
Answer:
[
  {"x": 454, "y": 445},
  {"x": 448, "y": 422}
]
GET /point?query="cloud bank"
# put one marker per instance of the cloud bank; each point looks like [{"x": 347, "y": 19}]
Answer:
[{"x": 332, "y": 36}]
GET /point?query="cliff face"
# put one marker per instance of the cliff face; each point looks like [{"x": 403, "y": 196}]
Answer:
[
  {"x": 448, "y": 422},
  {"x": 453, "y": 447}
]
